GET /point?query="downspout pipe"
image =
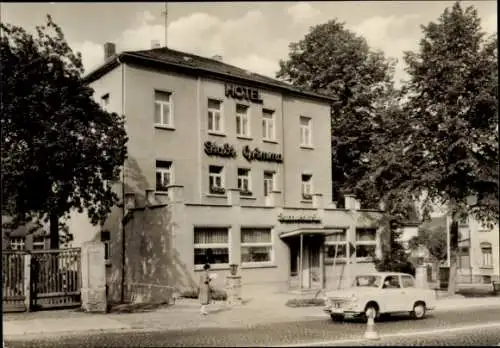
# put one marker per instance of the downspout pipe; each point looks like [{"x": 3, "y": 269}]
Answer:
[{"x": 122, "y": 220}]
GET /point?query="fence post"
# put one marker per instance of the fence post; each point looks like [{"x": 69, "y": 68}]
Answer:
[
  {"x": 93, "y": 291},
  {"x": 27, "y": 281}
]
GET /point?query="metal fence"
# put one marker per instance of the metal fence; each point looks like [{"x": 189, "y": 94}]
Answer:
[
  {"x": 14, "y": 281},
  {"x": 41, "y": 279},
  {"x": 55, "y": 277}
]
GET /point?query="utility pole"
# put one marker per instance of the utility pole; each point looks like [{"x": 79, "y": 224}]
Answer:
[{"x": 165, "y": 13}]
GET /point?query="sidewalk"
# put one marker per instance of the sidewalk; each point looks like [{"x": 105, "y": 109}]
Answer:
[{"x": 185, "y": 315}]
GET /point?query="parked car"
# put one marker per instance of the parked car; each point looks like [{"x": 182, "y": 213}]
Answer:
[{"x": 379, "y": 293}]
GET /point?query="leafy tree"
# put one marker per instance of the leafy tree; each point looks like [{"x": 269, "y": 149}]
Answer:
[
  {"x": 444, "y": 148},
  {"x": 434, "y": 239},
  {"x": 334, "y": 61},
  {"x": 60, "y": 149}
]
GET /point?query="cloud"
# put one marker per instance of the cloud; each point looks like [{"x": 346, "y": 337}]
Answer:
[
  {"x": 302, "y": 12},
  {"x": 202, "y": 34},
  {"x": 257, "y": 64},
  {"x": 384, "y": 33},
  {"x": 489, "y": 24}
]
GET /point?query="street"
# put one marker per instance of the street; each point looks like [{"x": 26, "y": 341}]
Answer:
[{"x": 472, "y": 327}]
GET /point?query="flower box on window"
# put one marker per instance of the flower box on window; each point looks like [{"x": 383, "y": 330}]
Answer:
[
  {"x": 245, "y": 193},
  {"x": 217, "y": 190},
  {"x": 161, "y": 188},
  {"x": 307, "y": 196}
]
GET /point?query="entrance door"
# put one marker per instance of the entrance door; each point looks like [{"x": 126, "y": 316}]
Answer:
[
  {"x": 310, "y": 265},
  {"x": 315, "y": 264}
]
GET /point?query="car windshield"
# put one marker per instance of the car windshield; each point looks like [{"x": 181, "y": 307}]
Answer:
[{"x": 370, "y": 281}]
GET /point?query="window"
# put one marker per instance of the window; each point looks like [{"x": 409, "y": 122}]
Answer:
[
  {"x": 244, "y": 181},
  {"x": 370, "y": 281},
  {"x": 163, "y": 109},
  {"x": 407, "y": 281},
  {"x": 216, "y": 179},
  {"x": 106, "y": 239},
  {"x": 366, "y": 242},
  {"x": 242, "y": 122},
  {"x": 17, "y": 243},
  {"x": 307, "y": 186},
  {"x": 268, "y": 132},
  {"x": 463, "y": 257},
  {"x": 268, "y": 183},
  {"x": 105, "y": 100},
  {"x": 336, "y": 246},
  {"x": 164, "y": 175},
  {"x": 391, "y": 282},
  {"x": 211, "y": 245},
  {"x": 305, "y": 131},
  {"x": 215, "y": 116},
  {"x": 487, "y": 252},
  {"x": 38, "y": 243},
  {"x": 256, "y": 245}
]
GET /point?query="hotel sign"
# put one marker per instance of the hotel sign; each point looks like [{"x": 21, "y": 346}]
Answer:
[
  {"x": 288, "y": 219},
  {"x": 240, "y": 92},
  {"x": 226, "y": 150},
  {"x": 258, "y": 155}
]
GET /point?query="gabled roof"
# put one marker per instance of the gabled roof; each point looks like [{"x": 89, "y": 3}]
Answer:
[
  {"x": 165, "y": 58},
  {"x": 23, "y": 230}
]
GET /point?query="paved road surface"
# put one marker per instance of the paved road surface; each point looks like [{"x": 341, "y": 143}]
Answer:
[{"x": 300, "y": 332}]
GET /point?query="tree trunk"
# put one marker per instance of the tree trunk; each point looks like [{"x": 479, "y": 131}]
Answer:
[
  {"x": 452, "y": 279},
  {"x": 54, "y": 232}
]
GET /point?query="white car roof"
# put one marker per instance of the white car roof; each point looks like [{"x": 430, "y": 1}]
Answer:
[{"x": 383, "y": 274}]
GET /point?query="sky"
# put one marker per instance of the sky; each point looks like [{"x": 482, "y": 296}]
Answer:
[{"x": 251, "y": 35}]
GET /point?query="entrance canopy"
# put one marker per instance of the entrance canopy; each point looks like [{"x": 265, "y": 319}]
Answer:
[{"x": 311, "y": 232}]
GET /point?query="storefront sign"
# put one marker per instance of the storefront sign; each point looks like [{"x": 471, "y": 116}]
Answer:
[
  {"x": 288, "y": 219},
  {"x": 226, "y": 150},
  {"x": 239, "y": 92},
  {"x": 258, "y": 155}
]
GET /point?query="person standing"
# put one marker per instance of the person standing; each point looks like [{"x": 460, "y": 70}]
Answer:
[{"x": 205, "y": 289}]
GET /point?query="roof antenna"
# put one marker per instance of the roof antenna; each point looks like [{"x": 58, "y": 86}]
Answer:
[{"x": 165, "y": 13}]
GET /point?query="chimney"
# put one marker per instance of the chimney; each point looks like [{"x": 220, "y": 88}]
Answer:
[
  {"x": 109, "y": 50},
  {"x": 217, "y": 57},
  {"x": 155, "y": 44}
]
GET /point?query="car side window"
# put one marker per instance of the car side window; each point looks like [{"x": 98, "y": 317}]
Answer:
[
  {"x": 408, "y": 282},
  {"x": 391, "y": 282}
]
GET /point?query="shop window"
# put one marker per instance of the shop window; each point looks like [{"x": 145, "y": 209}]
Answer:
[
  {"x": 215, "y": 121},
  {"x": 242, "y": 120},
  {"x": 336, "y": 246},
  {"x": 366, "y": 243},
  {"x": 163, "y": 109},
  {"x": 268, "y": 129},
  {"x": 256, "y": 245},
  {"x": 164, "y": 175},
  {"x": 216, "y": 179},
  {"x": 211, "y": 245}
]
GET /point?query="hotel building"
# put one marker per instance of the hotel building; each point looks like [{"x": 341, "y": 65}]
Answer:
[{"x": 229, "y": 165}]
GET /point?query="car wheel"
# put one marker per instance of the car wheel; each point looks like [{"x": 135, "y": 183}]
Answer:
[
  {"x": 419, "y": 310},
  {"x": 371, "y": 310},
  {"x": 337, "y": 317}
]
